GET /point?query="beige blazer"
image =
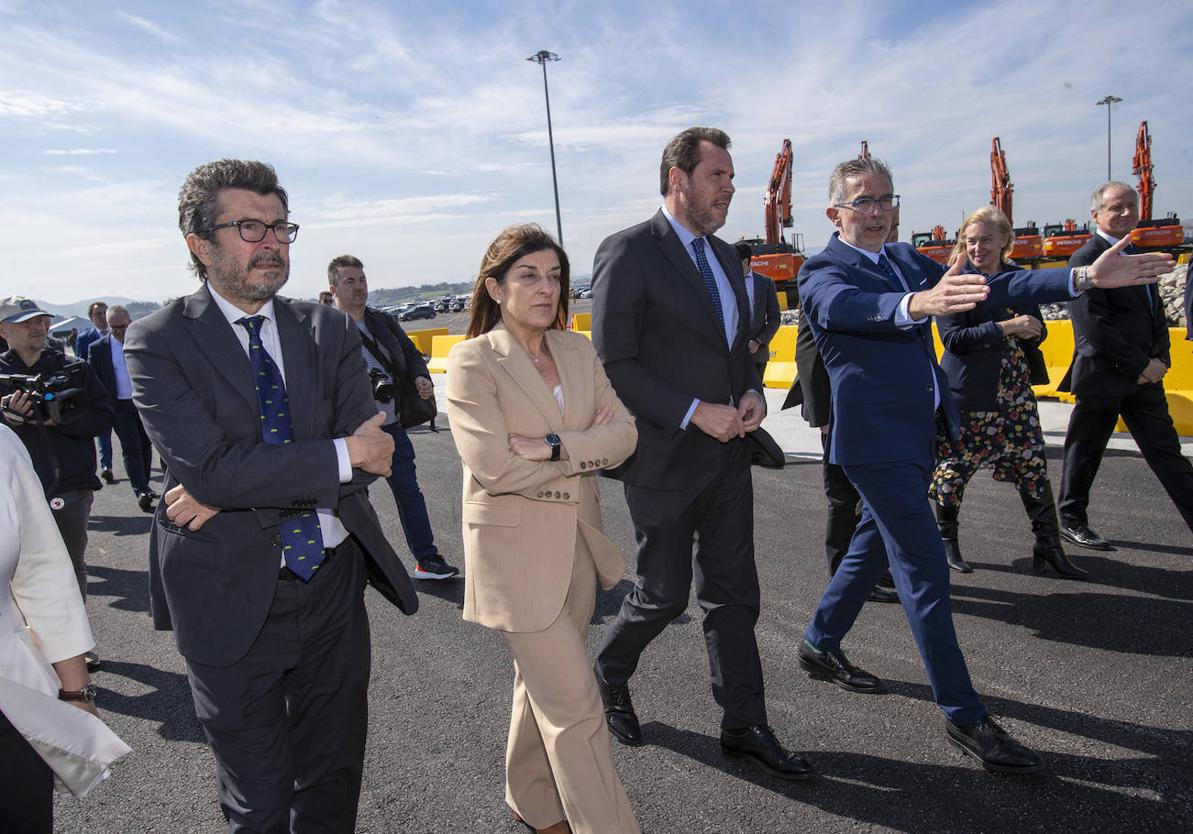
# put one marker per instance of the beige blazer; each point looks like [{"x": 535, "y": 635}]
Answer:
[{"x": 522, "y": 518}]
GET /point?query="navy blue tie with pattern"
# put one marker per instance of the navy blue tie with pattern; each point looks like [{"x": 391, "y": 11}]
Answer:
[
  {"x": 885, "y": 267},
  {"x": 302, "y": 540},
  {"x": 710, "y": 282}
]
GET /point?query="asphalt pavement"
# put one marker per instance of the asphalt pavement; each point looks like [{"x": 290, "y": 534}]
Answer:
[{"x": 1096, "y": 675}]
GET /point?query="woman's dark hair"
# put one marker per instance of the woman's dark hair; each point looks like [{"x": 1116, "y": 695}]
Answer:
[{"x": 514, "y": 243}]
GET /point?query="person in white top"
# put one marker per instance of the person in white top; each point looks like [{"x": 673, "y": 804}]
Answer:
[{"x": 49, "y": 732}]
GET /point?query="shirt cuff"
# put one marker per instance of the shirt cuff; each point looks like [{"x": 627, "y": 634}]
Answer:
[
  {"x": 343, "y": 461},
  {"x": 688, "y": 417},
  {"x": 903, "y": 319}
]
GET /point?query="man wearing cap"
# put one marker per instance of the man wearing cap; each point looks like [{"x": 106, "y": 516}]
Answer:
[{"x": 63, "y": 455}]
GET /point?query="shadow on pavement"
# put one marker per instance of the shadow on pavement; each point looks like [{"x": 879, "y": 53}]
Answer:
[
  {"x": 450, "y": 590},
  {"x": 120, "y": 525},
  {"x": 1114, "y": 622},
  {"x": 168, "y": 702},
  {"x": 950, "y": 798},
  {"x": 129, "y": 588}
]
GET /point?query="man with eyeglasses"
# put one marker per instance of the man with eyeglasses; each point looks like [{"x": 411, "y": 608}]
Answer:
[
  {"x": 869, "y": 304},
  {"x": 106, "y": 356},
  {"x": 262, "y": 412}
]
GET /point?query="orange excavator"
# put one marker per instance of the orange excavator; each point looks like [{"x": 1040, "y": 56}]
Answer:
[
  {"x": 1063, "y": 239},
  {"x": 1029, "y": 244},
  {"x": 773, "y": 256},
  {"x": 1162, "y": 233},
  {"x": 935, "y": 244}
]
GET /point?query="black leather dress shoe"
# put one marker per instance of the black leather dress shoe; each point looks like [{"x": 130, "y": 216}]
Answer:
[
  {"x": 833, "y": 666},
  {"x": 619, "y": 711},
  {"x": 881, "y": 594},
  {"x": 993, "y": 746},
  {"x": 1082, "y": 535},
  {"x": 758, "y": 746},
  {"x": 145, "y": 502}
]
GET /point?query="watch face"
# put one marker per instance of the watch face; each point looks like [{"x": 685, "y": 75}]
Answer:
[{"x": 552, "y": 439}]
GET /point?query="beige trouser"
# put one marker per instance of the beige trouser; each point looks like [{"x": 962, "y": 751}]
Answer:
[{"x": 558, "y": 764}]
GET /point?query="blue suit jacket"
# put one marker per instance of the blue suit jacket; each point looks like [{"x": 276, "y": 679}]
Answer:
[{"x": 884, "y": 378}]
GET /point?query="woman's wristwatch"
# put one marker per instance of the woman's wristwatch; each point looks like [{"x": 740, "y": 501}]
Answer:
[
  {"x": 552, "y": 440},
  {"x": 86, "y": 694}
]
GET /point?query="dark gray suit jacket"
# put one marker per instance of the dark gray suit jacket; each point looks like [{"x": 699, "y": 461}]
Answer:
[
  {"x": 193, "y": 386},
  {"x": 663, "y": 344}
]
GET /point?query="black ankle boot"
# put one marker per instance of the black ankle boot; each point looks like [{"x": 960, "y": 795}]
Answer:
[
  {"x": 946, "y": 520},
  {"x": 1048, "y": 551}
]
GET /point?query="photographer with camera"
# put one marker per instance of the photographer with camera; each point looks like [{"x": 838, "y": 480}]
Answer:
[
  {"x": 57, "y": 406},
  {"x": 392, "y": 359}
]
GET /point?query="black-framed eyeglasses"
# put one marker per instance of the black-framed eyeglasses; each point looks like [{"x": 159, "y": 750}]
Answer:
[
  {"x": 865, "y": 205},
  {"x": 253, "y": 231}
]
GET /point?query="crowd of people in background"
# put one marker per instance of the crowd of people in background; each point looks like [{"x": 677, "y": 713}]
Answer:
[{"x": 271, "y": 417}]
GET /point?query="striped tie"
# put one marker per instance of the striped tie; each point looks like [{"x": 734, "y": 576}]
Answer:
[{"x": 302, "y": 540}]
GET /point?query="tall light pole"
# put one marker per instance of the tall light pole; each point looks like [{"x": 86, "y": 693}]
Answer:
[
  {"x": 1109, "y": 101},
  {"x": 542, "y": 57}
]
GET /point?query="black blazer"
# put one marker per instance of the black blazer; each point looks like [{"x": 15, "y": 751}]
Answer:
[
  {"x": 663, "y": 344},
  {"x": 973, "y": 344},
  {"x": 99, "y": 357},
  {"x": 1116, "y": 333},
  {"x": 193, "y": 387},
  {"x": 810, "y": 390},
  {"x": 764, "y": 321},
  {"x": 401, "y": 352}
]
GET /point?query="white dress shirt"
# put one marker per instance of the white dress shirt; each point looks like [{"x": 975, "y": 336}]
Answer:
[{"x": 334, "y": 531}]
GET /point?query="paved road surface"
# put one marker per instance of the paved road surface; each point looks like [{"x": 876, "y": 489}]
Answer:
[{"x": 1096, "y": 675}]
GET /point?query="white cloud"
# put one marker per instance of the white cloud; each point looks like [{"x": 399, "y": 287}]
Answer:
[
  {"x": 150, "y": 27},
  {"x": 78, "y": 151},
  {"x": 32, "y": 104}
]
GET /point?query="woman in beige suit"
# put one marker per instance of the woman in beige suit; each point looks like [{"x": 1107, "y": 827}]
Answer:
[{"x": 534, "y": 419}]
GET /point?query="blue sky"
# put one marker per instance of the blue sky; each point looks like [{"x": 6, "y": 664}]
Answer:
[{"x": 410, "y": 133}]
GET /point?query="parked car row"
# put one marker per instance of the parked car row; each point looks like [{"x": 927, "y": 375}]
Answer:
[{"x": 415, "y": 310}]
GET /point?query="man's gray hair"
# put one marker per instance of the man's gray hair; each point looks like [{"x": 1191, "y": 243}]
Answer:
[
  {"x": 1095, "y": 200},
  {"x": 118, "y": 309},
  {"x": 839, "y": 180}
]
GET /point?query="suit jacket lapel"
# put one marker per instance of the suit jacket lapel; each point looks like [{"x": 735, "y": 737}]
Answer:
[
  {"x": 571, "y": 377},
  {"x": 674, "y": 252},
  {"x": 301, "y": 363},
  {"x": 214, "y": 338},
  {"x": 514, "y": 361}
]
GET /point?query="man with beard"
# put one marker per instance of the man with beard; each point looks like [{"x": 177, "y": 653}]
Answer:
[
  {"x": 261, "y": 409},
  {"x": 671, "y": 322}
]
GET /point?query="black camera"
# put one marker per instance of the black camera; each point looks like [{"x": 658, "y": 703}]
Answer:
[
  {"x": 383, "y": 388},
  {"x": 59, "y": 395}
]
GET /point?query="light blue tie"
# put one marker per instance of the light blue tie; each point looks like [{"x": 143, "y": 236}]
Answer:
[
  {"x": 302, "y": 540},
  {"x": 710, "y": 283}
]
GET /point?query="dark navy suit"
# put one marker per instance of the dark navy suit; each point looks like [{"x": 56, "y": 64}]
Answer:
[{"x": 885, "y": 387}]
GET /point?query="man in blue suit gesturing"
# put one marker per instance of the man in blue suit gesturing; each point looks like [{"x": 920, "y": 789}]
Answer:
[{"x": 869, "y": 305}]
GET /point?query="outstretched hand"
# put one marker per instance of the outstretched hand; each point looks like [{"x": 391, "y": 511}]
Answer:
[
  {"x": 1113, "y": 269},
  {"x": 955, "y": 292}
]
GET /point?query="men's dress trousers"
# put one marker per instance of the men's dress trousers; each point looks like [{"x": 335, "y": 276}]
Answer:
[
  {"x": 302, "y": 540},
  {"x": 706, "y": 273}
]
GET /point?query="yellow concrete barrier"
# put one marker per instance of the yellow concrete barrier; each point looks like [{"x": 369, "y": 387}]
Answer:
[
  {"x": 422, "y": 338},
  {"x": 783, "y": 301},
  {"x": 586, "y": 333},
  {"x": 780, "y": 370},
  {"x": 581, "y": 321},
  {"x": 440, "y": 347}
]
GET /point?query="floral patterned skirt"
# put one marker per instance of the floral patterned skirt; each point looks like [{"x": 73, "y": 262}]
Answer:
[{"x": 1008, "y": 441}]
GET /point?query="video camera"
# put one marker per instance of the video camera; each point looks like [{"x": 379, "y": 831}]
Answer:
[
  {"x": 59, "y": 395},
  {"x": 383, "y": 389}
]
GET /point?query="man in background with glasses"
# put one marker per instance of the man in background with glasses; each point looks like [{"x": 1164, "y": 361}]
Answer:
[
  {"x": 869, "y": 304},
  {"x": 262, "y": 413}
]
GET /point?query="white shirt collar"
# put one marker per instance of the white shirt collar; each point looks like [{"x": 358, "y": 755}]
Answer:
[
  {"x": 873, "y": 256},
  {"x": 683, "y": 232},
  {"x": 233, "y": 313},
  {"x": 1108, "y": 238}
]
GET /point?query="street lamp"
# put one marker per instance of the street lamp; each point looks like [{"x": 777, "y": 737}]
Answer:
[
  {"x": 542, "y": 57},
  {"x": 1109, "y": 101}
]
